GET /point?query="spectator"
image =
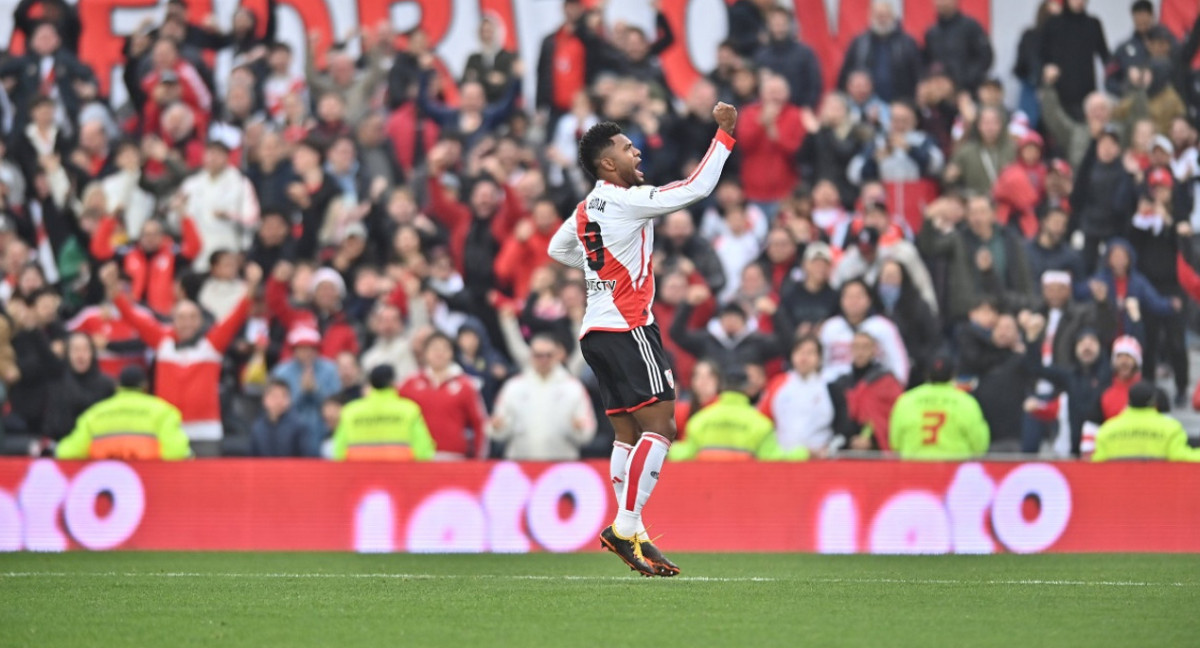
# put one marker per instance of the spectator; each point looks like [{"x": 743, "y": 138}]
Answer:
[
  {"x": 960, "y": 45},
  {"x": 129, "y": 425},
  {"x": 342, "y": 79},
  {"x": 492, "y": 65},
  {"x": 1000, "y": 267},
  {"x": 737, "y": 246},
  {"x": 1150, "y": 88},
  {"x": 855, "y": 315},
  {"x": 48, "y": 70},
  {"x": 887, "y": 53},
  {"x": 63, "y": 16},
  {"x": 1127, "y": 291},
  {"x": 1004, "y": 381},
  {"x": 37, "y": 363},
  {"x": 42, "y": 138},
  {"x": 1155, "y": 244},
  {"x": 223, "y": 288},
  {"x": 937, "y": 421},
  {"x": 807, "y": 412},
  {"x": 804, "y": 305},
  {"x": 278, "y": 431},
  {"x": 830, "y": 143},
  {"x": 1142, "y": 432},
  {"x": 1021, "y": 188},
  {"x": 1072, "y": 135},
  {"x": 732, "y": 430},
  {"x": 900, "y": 158},
  {"x": 187, "y": 358},
  {"x": 1082, "y": 381},
  {"x": 748, "y": 25},
  {"x": 900, "y": 302},
  {"x": 1071, "y": 41},
  {"x": 787, "y": 57},
  {"x": 525, "y": 251},
  {"x": 322, "y": 297},
  {"x": 1133, "y": 52},
  {"x": 1126, "y": 372},
  {"x": 562, "y": 62},
  {"x": 877, "y": 242},
  {"x": 544, "y": 413},
  {"x": 312, "y": 379},
  {"x": 393, "y": 338},
  {"x": 485, "y": 365},
  {"x": 727, "y": 340},
  {"x": 679, "y": 247},
  {"x": 79, "y": 387},
  {"x": 474, "y": 117},
  {"x": 152, "y": 263},
  {"x": 979, "y": 159},
  {"x": 704, "y": 382},
  {"x": 771, "y": 134},
  {"x": 1028, "y": 66},
  {"x": 280, "y": 82},
  {"x": 868, "y": 113},
  {"x": 382, "y": 425},
  {"x": 871, "y": 392},
  {"x": 453, "y": 408},
  {"x": 221, "y": 202}
]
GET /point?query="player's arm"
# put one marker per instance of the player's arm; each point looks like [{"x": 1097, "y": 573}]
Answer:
[
  {"x": 565, "y": 247},
  {"x": 648, "y": 202}
]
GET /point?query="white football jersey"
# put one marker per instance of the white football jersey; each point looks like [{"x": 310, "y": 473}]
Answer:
[{"x": 611, "y": 238}]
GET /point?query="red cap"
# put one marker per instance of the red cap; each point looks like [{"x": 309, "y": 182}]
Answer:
[
  {"x": 1031, "y": 137},
  {"x": 1160, "y": 177},
  {"x": 1061, "y": 167}
]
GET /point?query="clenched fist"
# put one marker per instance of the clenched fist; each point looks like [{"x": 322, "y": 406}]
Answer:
[{"x": 726, "y": 116}]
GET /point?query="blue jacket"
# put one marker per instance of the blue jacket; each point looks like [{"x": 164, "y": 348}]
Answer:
[
  {"x": 283, "y": 438},
  {"x": 1149, "y": 300},
  {"x": 306, "y": 406}
]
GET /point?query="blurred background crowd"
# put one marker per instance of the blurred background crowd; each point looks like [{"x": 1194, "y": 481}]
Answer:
[{"x": 260, "y": 243}]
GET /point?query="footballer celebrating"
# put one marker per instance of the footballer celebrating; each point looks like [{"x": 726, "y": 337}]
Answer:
[{"x": 611, "y": 238}]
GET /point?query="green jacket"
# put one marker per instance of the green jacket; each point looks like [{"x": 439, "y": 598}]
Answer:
[
  {"x": 937, "y": 421},
  {"x": 973, "y": 158},
  {"x": 130, "y": 424},
  {"x": 1143, "y": 433},
  {"x": 732, "y": 428},
  {"x": 382, "y": 426}
]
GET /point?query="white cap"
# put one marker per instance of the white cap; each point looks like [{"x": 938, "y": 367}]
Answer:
[
  {"x": 1161, "y": 141},
  {"x": 332, "y": 276},
  {"x": 1051, "y": 277},
  {"x": 1129, "y": 346}
]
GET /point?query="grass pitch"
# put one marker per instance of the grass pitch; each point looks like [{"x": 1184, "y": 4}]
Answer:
[{"x": 244, "y": 599}]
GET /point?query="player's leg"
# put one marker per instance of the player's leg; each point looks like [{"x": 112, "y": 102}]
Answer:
[
  {"x": 626, "y": 431},
  {"x": 659, "y": 416},
  {"x": 600, "y": 351}
]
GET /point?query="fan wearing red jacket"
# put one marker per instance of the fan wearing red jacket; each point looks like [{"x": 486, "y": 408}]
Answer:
[
  {"x": 117, "y": 342},
  {"x": 187, "y": 358},
  {"x": 151, "y": 263},
  {"x": 501, "y": 212},
  {"x": 173, "y": 79},
  {"x": 1021, "y": 187},
  {"x": 770, "y": 133},
  {"x": 325, "y": 314},
  {"x": 449, "y": 401},
  {"x": 525, "y": 250}
]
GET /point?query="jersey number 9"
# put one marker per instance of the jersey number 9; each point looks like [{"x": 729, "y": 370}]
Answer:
[{"x": 593, "y": 243}]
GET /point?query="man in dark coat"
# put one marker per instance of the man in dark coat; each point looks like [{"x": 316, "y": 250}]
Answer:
[
  {"x": 960, "y": 44},
  {"x": 887, "y": 53}
]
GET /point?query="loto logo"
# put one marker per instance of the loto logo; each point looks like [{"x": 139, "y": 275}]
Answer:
[
  {"x": 1026, "y": 512},
  {"x": 561, "y": 510},
  {"x": 101, "y": 507}
]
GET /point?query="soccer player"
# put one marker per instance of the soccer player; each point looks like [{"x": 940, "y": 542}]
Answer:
[{"x": 611, "y": 237}]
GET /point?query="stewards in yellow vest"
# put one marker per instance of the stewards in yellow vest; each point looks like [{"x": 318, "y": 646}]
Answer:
[
  {"x": 731, "y": 429},
  {"x": 1142, "y": 432},
  {"x": 130, "y": 425},
  {"x": 382, "y": 426}
]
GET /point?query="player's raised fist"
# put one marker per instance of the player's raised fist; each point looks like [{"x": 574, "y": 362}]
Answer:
[{"x": 726, "y": 116}]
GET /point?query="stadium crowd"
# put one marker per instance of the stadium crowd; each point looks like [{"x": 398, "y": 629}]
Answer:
[{"x": 265, "y": 244}]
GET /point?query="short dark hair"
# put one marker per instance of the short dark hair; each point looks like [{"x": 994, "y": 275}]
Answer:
[
  {"x": 278, "y": 383},
  {"x": 382, "y": 377},
  {"x": 808, "y": 339},
  {"x": 594, "y": 143},
  {"x": 1142, "y": 6}
]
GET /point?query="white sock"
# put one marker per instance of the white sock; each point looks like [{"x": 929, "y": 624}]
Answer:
[
  {"x": 616, "y": 470},
  {"x": 642, "y": 469}
]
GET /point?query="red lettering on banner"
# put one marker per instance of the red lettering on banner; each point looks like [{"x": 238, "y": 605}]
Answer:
[
  {"x": 676, "y": 63},
  {"x": 99, "y": 47},
  {"x": 503, "y": 11},
  {"x": 852, "y": 19},
  {"x": 435, "y": 15}
]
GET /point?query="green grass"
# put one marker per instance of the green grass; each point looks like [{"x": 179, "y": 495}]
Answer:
[{"x": 245, "y": 599}]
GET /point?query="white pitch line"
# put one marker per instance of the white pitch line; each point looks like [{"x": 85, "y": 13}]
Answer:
[{"x": 568, "y": 577}]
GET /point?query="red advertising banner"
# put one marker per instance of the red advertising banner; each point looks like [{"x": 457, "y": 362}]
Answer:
[{"x": 829, "y": 507}]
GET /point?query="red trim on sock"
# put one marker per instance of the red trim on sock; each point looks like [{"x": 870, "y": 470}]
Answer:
[
  {"x": 657, "y": 437},
  {"x": 634, "y": 475},
  {"x": 622, "y": 444}
]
